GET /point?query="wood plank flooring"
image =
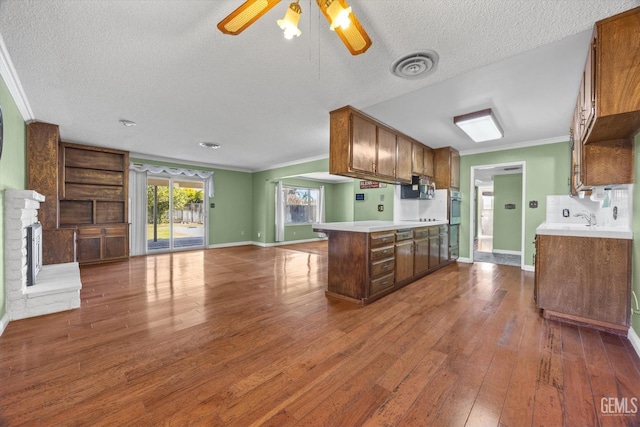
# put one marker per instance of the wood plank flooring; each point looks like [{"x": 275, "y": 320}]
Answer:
[{"x": 246, "y": 336}]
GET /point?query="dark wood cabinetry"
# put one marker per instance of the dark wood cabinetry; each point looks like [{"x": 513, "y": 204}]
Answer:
[
  {"x": 84, "y": 215},
  {"x": 607, "y": 113},
  {"x": 447, "y": 167},
  {"x": 362, "y": 147},
  {"x": 584, "y": 280}
]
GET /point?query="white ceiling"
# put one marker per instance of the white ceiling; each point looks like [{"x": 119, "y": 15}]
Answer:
[{"x": 84, "y": 65}]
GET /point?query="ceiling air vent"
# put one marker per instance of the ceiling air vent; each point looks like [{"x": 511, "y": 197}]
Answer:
[{"x": 415, "y": 65}]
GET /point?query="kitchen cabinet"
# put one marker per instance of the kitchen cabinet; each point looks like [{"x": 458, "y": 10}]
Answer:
[
  {"x": 584, "y": 280},
  {"x": 365, "y": 266},
  {"x": 446, "y": 162},
  {"x": 607, "y": 112},
  {"x": 422, "y": 160},
  {"x": 404, "y": 254},
  {"x": 445, "y": 256},
  {"x": 610, "y": 106},
  {"x": 404, "y": 159},
  {"x": 364, "y": 148}
]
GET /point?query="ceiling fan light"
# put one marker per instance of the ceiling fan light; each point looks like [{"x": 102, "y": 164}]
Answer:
[
  {"x": 245, "y": 15},
  {"x": 290, "y": 21},
  {"x": 480, "y": 126},
  {"x": 339, "y": 15}
]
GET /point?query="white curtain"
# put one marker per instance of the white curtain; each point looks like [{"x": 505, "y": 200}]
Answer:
[
  {"x": 138, "y": 212},
  {"x": 176, "y": 171},
  {"x": 321, "y": 208},
  {"x": 279, "y": 212}
]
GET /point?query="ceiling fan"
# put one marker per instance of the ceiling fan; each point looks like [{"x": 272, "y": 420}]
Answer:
[{"x": 338, "y": 13}]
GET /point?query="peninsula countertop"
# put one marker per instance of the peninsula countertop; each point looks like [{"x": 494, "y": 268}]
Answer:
[
  {"x": 582, "y": 230},
  {"x": 373, "y": 226}
]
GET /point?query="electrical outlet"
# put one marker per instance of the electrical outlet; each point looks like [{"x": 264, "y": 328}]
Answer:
[
  {"x": 258, "y": 234},
  {"x": 242, "y": 233},
  {"x": 294, "y": 233}
]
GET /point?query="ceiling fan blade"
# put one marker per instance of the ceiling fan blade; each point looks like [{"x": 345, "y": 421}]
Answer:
[
  {"x": 245, "y": 15},
  {"x": 355, "y": 38}
]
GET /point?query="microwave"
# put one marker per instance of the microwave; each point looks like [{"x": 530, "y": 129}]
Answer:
[{"x": 418, "y": 190}]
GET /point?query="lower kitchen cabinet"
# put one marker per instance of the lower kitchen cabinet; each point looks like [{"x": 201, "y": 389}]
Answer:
[
  {"x": 584, "y": 280},
  {"x": 100, "y": 243},
  {"x": 366, "y": 266}
]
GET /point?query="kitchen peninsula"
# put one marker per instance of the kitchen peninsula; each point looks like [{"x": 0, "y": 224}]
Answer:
[{"x": 370, "y": 259}]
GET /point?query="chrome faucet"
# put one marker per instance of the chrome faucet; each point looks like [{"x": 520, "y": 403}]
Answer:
[{"x": 590, "y": 217}]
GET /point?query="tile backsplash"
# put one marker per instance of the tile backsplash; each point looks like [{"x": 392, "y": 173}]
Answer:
[
  {"x": 413, "y": 209},
  {"x": 620, "y": 198}
]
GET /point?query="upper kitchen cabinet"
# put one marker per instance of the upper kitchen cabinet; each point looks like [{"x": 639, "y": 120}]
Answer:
[
  {"x": 404, "y": 159},
  {"x": 364, "y": 148},
  {"x": 446, "y": 163},
  {"x": 422, "y": 160},
  {"x": 609, "y": 99}
]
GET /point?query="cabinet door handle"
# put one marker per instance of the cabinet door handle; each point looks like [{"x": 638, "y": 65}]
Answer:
[
  {"x": 384, "y": 282},
  {"x": 385, "y": 266}
]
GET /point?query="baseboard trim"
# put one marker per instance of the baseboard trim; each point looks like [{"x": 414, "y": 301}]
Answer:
[
  {"x": 506, "y": 252},
  {"x": 529, "y": 268},
  {"x": 231, "y": 244},
  {"x": 464, "y": 260},
  {"x": 635, "y": 340},
  {"x": 4, "y": 322}
]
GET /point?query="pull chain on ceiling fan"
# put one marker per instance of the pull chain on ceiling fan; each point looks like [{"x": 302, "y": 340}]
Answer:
[{"x": 338, "y": 13}]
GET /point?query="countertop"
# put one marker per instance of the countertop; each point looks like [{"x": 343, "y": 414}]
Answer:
[
  {"x": 581, "y": 230},
  {"x": 373, "y": 226}
]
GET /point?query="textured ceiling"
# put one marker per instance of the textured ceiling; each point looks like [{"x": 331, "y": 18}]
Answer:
[{"x": 163, "y": 64}]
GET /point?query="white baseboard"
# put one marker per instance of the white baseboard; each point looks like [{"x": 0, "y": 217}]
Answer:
[
  {"x": 465, "y": 260},
  {"x": 506, "y": 252},
  {"x": 4, "y": 322},
  {"x": 228, "y": 245},
  {"x": 635, "y": 340},
  {"x": 529, "y": 268}
]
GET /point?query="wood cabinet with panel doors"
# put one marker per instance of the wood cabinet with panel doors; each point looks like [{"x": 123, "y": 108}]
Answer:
[
  {"x": 584, "y": 280},
  {"x": 607, "y": 113},
  {"x": 364, "y": 148},
  {"x": 364, "y": 267},
  {"x": 446, "y": 162}
]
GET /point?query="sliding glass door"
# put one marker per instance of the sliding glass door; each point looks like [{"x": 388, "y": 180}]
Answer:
[{"x": 176, "y": 214}]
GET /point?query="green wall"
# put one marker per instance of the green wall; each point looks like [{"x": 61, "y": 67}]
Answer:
[
  {"x": 342, "y": 205},
  {"x": 507, "y": 223},
  {"x": 13, "y": 166},
  {"x": 547, "y": 172},
  {"x": 263, "y": 204},
  {"x": 635, "y": 283},
  {"x": 367, "y": 209},
  {"x": 230, "y": 220}
]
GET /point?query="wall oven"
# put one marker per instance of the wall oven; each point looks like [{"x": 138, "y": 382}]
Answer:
[{"x": 454, "y": 207}]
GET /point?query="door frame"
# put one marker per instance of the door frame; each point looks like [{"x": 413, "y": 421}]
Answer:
[
  {"x": 472, "y": 205},
  {"x": 205, "y": 213}
]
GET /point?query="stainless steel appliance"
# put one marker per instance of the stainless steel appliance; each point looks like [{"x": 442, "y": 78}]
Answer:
[
  {"x": 455, "y": 201},
  {"x": 420, "y": 188},
  {"x": 455, "y": 218}
]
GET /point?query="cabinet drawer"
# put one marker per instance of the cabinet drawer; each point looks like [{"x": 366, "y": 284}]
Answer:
[
  {"x": 380, "y": 253},
  {"x": 382, "y": 267},
  {"x": 420, "y": 233},
  {"x": 434, "y": 231},
  {"x": 382, "y": 238},
  {"x": 381, "y": 284}
]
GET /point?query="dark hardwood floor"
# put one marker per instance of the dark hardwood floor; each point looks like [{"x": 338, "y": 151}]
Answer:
[{"x": 245, "y": 336}]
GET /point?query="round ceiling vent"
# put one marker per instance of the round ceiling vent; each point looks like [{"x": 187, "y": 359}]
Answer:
[{"x": 414, "y": 65}]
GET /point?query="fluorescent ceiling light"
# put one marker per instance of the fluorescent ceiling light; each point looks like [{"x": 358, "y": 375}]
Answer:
[{"x": 480, "y": 126}]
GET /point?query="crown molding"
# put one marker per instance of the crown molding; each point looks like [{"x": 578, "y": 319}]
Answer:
[
  {"x": 185, "y": 163},
  {"x": 11, "y": 79},
  {"x": 545, "y": 141}
]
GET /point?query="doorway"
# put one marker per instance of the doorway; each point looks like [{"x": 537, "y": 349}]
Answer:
[
  {"x": 487, "y": 246},
  {"x": 176, "y": 218},
  {"x": 484, "y": 241}
]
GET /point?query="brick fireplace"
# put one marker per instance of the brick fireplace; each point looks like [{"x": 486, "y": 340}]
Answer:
[{"x": 57, "y": 287}]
